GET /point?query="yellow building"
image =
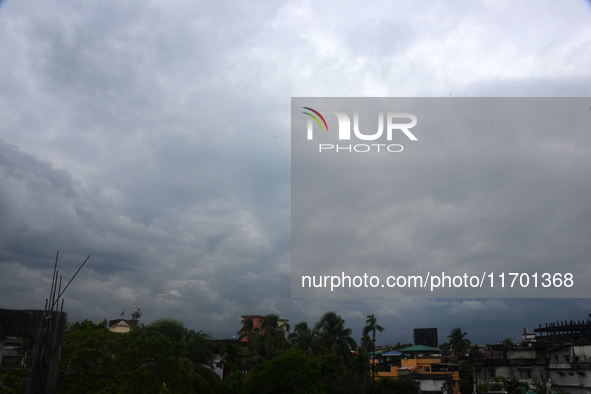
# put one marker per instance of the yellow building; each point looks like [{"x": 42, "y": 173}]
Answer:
[{"x": 433, "y": 375}]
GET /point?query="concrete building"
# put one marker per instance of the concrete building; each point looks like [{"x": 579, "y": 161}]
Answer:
[
  {"x": 122, "y": 325},
  {"x": 434, "y": 376},
  {"x": 558, "y": 333},
  {"x": 257, "y": 323},
  {"x": 525, "y": 364},
  {"x": 569, "y": 368},
  {"x": 426, "y": 337}
]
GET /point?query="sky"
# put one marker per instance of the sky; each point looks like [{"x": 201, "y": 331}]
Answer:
[
  {"x": 491, "y": 186},
  {"x": 155, "y": 137}
]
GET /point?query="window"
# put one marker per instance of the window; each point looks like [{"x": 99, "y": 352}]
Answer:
[
  {"x": 491, "y": 373},
  {"x": 525, "y": 374}
]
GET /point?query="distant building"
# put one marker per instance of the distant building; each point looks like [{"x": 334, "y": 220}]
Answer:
[
  {"x": 122, "y": 325},
  {"x": 526, "y": 336},
  {"x": 434, "y": 376},
  {"x": 426, "y": 337},
  {"x": 257, "y": 323},
  {"x": 569, "y": 369},
  {"x": 560, "y": 333},
  {"x": 525, "y": 364}
]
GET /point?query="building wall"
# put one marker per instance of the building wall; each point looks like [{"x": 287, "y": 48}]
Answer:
[
  {"x": 569, "y": 369},
  {"x": 419, "y": 368},
  {"x": 425, "y": 336},
  {"x": 120, "y": 329}
]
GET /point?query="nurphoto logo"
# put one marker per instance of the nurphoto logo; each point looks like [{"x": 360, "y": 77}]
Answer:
[{"x": 344, "y": 131}]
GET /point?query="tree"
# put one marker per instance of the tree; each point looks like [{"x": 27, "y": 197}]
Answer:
[
  {"x": 514, "y": 386},
  {"x": 173, "y": 329},
  {"x": 291, "y": 372},
  {"x": 332, "y": 333},
  {"x": 273, "y": 337},
  {"x": 247, "y": 329},
  {"x": 303, "y": 338},
  {"x": 366, "y": 341},
  {"x": 466, "y": 373},
  {"x": 397, "y": 386},
  {"x": 196, "y": 351},
  {"x": 458, "y": 342},
  {"x": 508, "y": 344},
  {"x": 140, "y": 361},
  {"x": 445, "y": 348},
  {"x": 231, "y": 359},
  {"x": 372, "y": 327}
]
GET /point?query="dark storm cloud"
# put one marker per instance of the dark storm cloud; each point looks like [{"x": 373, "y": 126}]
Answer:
[{"x": 154, "y": 136}]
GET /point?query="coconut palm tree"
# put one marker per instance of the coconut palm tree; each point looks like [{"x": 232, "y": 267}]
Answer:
[
  {"x": 173, "y": 329},
  {"x": 247, "y": 328},
  {"x": 332, "y": 334},
  {"x": 273, "y": 337},
  {"x": 458, "y": 343},
  {"x": 304, "y": 338},
  {"x": 372, "y": 326},
  {"x": 231, "y": 359}
]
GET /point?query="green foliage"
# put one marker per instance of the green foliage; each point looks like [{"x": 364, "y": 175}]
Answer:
[
  {"x": 458, "y": 343},
  {"x": 196, "y": 353},
  {"x": 508, "y": 344},
  {"x": 397, "y": 386},
  {"x": 14, "y": 381},
  {"x": 335, "y": 375},
  {"x": 514, "y": 386},
  {"x": 231, "y": 359},
  {"x": 303, "y": 338},
  {"x": 233, "y": 383},
  {"x": 481, "y": 388},
  {"x": 140, "y": 361},
  {"x": 445, "y": 348},
  {"x": 331, "y": 334},
  {"x": 266, "y": 342},
  {"x": 291, "y": 372},
  {"x": 466, "y": 378},
  {"x": 371, "y": 327}
]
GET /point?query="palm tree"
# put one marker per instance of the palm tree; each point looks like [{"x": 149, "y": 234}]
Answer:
[
  {"x": 372, "y": 327},
  {"x": 332, "y": 333},
  {"x": 231, "y": 359},
  {"x": 366, "y": 341},
  {"x": 458, "y": 343},
  {"x": 199, "y": 347},
  {"x": 173, "y": 329},
  {"x": 247, "y": 328},
  {"x": 302, "y": 338},
  {"x": 273, "y": 338}
]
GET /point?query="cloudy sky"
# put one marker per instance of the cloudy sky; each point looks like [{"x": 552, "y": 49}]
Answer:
[{"x": 155, "y": 136}]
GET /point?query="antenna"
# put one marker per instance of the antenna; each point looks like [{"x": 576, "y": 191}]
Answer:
[
  {"x": 52, "y": 301},
  {"x": 136, "y": 313}
]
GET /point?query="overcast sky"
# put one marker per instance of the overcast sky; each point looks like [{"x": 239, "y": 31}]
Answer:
[{"x": 155, "y": 136}]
